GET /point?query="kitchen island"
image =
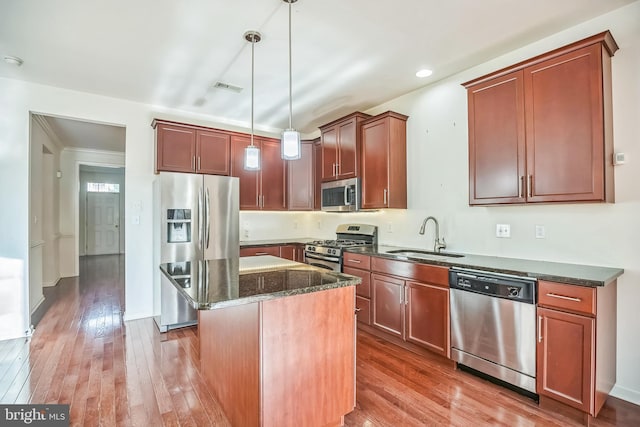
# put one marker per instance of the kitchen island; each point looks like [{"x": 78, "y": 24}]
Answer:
[{"x": 277, "y": 339}]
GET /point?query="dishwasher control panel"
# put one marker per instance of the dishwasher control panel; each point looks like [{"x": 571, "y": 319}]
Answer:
[{"x": 517, "y": 288}]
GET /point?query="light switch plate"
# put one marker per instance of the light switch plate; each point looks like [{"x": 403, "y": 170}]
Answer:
[
  {"x": 503, "y": 230},
  {"x": 540, "y": 232}
]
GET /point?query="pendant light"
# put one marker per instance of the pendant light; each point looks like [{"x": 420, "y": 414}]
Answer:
[
  {"x": 251, "y": 152},
  {"x": 290, "y": 144}
]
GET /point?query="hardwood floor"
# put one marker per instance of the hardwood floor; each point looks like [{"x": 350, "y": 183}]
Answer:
[{"x": 116, "y": 373}]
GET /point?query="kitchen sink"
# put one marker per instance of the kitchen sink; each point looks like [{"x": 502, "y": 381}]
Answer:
[{"x": 414, "y": 253}]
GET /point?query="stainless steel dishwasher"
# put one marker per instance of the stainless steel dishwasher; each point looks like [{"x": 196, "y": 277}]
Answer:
[{"x": 493, "y": 325}]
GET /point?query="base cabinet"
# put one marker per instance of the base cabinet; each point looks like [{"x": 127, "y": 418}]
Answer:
[
  {"x": 293, "y": 252},
  {"x": 576, "y": 349},
  {"x": 401, "y": 301}
]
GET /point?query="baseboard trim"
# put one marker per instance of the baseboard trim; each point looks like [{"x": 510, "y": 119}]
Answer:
[
  {"x": 627, "y": 394},
  {"x": 39, "y": 303},
  {"x": 135, "y": 316},
  {"x": 51, "y": 284}
]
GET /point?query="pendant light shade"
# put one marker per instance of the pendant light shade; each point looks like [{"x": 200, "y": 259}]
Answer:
[
  {"x": 290, "y": 144},
  {"x": 251, "y": 152}
]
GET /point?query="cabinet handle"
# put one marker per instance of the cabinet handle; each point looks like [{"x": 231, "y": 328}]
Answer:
[
  {"x": 564, "y": 297},
  {"x": 530, "y": 185},
  {"x": 198, "y": 162},
  {"x": 406, "y": 295},
  {"x": 193, "y": 162},
  {"x": 262, "y": 201},
  {"x": 356, "y": 261},
  {"x": 539, "y": 328},
  {"x": 261, "y": 253},
  {"x": 384, "y": 197},
  {"x": 520, "y": 186},
  {"x": 358, "y": 310}
]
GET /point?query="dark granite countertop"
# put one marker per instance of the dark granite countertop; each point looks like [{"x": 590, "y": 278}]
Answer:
[
  {"x": 222, "y": 283},
  {"x": 276, "y": 242},
  {"x": 573, "y": 274}
]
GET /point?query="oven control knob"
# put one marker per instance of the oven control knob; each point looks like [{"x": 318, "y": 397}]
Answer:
[
  {"x": 312, "y": 248},
  {"x": 514, "y": 292}
]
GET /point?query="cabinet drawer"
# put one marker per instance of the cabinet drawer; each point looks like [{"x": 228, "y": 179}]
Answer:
[
  {"x": 363, "y": 310},
  {"x": 567, "y": 297},
  {"x": 363, "y": 289},
  {"x": 431, "y": 274},
  {"x": 356, "y": 260},
  {"x": 262, "y": 250}
]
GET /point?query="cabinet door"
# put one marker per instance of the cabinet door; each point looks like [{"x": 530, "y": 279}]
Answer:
[
  {"x": 364, "y": 288},
  {"x": 565, "y": 357},
  {"x": 375, "y": 170},
  {"x": 176, "y": 148},
  {"x": 213, "y": 152},
  {"x": 248, "y": 179},
  {"x": 272, "y": 176},
  {"x": 317, "y": 174},
  {"x": 288, "y": 252},
  {"x": 329, "y": 141},
  {"x": 260, "y": 250},
  {"x": 428, "y": 316},
  {"x": 300, "y": 180},
  {"x": 388, "y": 304},
  {"x": 497, "y": 141},
  {"x": 348, "y": 159},
  {"x": 565, "y": 130}
]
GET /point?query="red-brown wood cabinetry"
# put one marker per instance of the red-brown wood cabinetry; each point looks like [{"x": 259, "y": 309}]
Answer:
[
  {"x": 300, "y": 180},
  {"x": 540, "y": 131},
  {"x": 191, "y": 149},
  {"x": 340, "y": 141},
  {"x": 384, "y": 161},
  {"x": 576, "y": 350},
  {"x": 317, "y": 174},
  {"x": 260, "y": 250},
  {"x": 407, "y": 302},
  {"x": 264, "y": 189}
]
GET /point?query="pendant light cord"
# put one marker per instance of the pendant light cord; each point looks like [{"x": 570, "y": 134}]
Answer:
[
  {"x": 290, "y": 86},
  {"x": 253, "y": 43}
]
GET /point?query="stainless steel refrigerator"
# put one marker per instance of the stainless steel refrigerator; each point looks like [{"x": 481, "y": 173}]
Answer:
[{"x": 196, "y": 219}]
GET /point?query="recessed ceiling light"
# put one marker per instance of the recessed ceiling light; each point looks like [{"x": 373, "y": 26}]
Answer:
[
  {"x": 13, "y": 60},
  {"x": 424, "y": 73}
]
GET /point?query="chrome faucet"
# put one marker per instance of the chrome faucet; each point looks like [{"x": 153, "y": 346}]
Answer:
[{"x": 437, "y": 244}]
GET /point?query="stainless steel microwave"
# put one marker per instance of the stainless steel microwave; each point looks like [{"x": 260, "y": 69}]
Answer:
[{"x": 341, "y": 196}]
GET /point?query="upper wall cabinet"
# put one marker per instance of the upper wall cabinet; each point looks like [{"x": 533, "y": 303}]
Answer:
[
  {"x": 541, "y": 131},
  {"x": 340, "y": 141},
  {"x": 384, "y": 161},
  {"x": 300, "y": 182},
  {"x": 191, "y": 149}
]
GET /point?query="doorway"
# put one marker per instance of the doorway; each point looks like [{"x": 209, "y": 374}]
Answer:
[{"x": 101, "y": 207}]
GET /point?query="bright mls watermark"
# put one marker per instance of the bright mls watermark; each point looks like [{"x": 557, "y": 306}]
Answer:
[{"x": 34, "y": 415}]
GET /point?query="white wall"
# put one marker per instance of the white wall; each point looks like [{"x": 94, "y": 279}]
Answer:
[{"x": 437, "y": 170}]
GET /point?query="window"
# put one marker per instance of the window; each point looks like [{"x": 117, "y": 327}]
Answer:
[{"x": 102, "y": 187}]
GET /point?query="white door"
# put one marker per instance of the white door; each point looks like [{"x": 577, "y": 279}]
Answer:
[{"x": 103, "y": 233}]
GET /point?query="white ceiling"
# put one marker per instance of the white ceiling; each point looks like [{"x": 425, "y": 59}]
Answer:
[
  {"x": 81, "y": 134},
  {"x": 348, "y": 55}
]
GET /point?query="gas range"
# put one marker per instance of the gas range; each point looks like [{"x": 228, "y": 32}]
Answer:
[{"x": 328, "y": 253}]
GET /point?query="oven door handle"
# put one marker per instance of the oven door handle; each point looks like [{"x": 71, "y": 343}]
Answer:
[{"x": 324, "y": 258}]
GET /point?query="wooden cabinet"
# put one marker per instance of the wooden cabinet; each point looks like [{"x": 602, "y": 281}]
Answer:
[
  {"x": 340, "y": 142},
  {"x": 402, "y": 301},
  {"x": 300, "y": 182},
  {"x": 264, "y": 189},
  {"x": 358, "y": 265},
  {"x": 540, "y": 131},
  {"x": 576, "y": 350},
  {"x": 317, "y": 174},
  {"x": 260, "y": 250},
  {"x": 294, "y": 252},
  {"x": 191, "y": 149},
  {"x": 384, "y": 161}
]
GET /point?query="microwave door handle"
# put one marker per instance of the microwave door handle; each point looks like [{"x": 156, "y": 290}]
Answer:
[{"x": 346, "y": 195}]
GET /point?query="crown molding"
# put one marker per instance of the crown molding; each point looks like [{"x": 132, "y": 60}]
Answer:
[{"x": 46, "y": 127}]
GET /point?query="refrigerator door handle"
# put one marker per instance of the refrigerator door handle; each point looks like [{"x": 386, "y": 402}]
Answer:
[
  {"x": 207, "y": 218},
  {"x": 200, "y": 217}
]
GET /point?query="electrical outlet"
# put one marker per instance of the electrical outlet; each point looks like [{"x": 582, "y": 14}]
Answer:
[
  {"x": 540, "y": 232},
  {"x": 503, "y": 230},
  {"x": 389, "y": 227},
  {"x": 295, "y": 225},
  {"x": 245, "y": 233},
  {"x": 319, "y": 225}
]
